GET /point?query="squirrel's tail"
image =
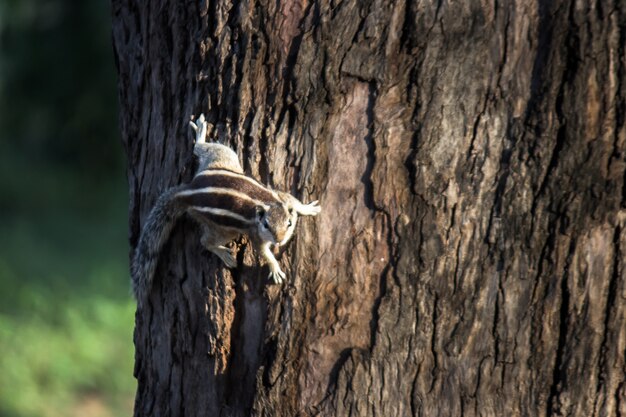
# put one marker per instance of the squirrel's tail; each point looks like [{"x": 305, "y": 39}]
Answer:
[{"x": 154, "y": 234}]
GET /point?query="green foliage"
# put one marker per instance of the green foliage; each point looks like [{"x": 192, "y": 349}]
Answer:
[
  {"x": 65, "y": 334},
  {"x": 66, "y": 317},
  {"x": 51, "y": 364},
  {"x": 58, "y": 102}
]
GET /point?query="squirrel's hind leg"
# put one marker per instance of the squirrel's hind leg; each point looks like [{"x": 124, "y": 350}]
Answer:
[
  {"x": 200, "y": 127},
  {"x": 224, "y": 254},
  {"x": 212, "y": 155},
  {"x": 214, "y": 242}
]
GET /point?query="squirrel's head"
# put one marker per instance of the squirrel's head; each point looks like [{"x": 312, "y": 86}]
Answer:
[{"x": 275, "y": 223}]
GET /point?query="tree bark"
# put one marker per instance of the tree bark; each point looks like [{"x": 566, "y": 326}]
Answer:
[{"x": 469, "y": 158}]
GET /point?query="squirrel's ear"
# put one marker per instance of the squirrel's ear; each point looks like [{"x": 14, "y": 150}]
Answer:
[{"x": 260, "y": 212}]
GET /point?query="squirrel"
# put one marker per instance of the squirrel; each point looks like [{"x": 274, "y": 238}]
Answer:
[{"x": 225, "y": 203}]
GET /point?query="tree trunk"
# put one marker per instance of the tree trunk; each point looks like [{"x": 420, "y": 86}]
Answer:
[{"x": 470, "y": 161}]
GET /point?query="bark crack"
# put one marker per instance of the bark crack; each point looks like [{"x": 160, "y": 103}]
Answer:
[
  {"x": 570, "y": 67},
  {"x": 433, "y": 344},
  {"x": 610, "y": 305},
  {"x": 558, "y": 372}
]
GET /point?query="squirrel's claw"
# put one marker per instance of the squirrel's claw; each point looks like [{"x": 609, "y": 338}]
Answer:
[{"x": 277, "y": 276}]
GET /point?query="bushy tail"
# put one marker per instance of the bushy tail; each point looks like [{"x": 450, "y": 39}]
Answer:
[{"x": 154, "y": 234}]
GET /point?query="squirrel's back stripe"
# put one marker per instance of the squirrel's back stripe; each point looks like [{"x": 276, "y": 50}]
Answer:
[
  {"x": 239, "y": 204},
  {"x": 240, "y": 208},
  {"x": 223, "y": 218},
  {"x": 220, "y": 178},
  {"x": 218, "y": 190}
]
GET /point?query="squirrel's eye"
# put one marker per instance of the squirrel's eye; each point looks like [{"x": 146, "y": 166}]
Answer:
[
  {"x": 266, "y": 224},
  {"x": 289, "y": 223}
]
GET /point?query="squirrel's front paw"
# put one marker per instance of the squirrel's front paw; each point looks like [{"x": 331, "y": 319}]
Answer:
[
  {"x": 311, "y": 209},
  {"x": 277, "y": 275}
]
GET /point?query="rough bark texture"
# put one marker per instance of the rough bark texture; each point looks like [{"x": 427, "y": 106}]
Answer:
[{"x": 470, "y": 162}]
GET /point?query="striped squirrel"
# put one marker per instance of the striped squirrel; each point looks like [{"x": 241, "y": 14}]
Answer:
[{"x": 225, "y": 203}]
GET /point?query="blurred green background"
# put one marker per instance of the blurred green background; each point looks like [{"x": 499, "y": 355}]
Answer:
[{"x": 66, "y": 317}]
